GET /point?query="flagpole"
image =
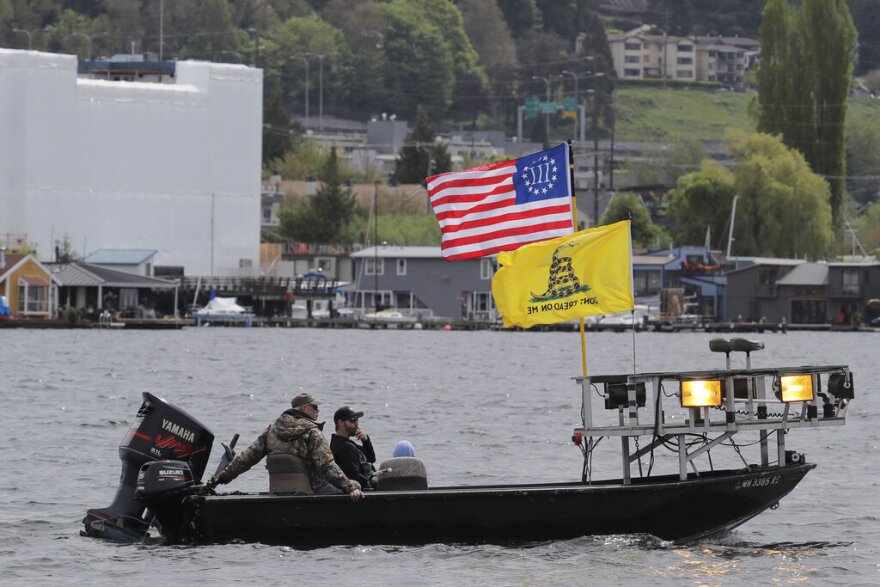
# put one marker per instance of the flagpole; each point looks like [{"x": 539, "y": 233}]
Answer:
[{"x": 574, "y": 217}]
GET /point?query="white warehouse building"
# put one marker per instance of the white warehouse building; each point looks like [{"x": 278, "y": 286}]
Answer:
[{"x": 173, "y": 167}]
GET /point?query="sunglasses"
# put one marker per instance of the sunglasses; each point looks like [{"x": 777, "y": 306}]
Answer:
[{"x": 353, "y": 420}]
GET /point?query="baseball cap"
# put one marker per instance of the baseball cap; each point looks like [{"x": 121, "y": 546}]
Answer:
[
  {"x": 304, "y": 399},
  {"x": 346, "y": 413}
]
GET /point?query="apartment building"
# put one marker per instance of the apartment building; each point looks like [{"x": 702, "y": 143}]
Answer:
[{"x": 643, "y": 53}]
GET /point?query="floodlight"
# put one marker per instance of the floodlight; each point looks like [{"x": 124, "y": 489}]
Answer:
[
  {"x": 700, "y": 393},
  {"x": 796, "y": 388}
]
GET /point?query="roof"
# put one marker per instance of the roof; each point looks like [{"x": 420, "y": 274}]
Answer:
[
  {"x": 11, "y": 261},
  {"x": 766, "y": 261},
  {"x": 806, "y": 274},
  {"x": 81, "y": 274},
  {"x": 120, "y": 256},
  {"x": 406, "y": 252},
  {"x": 652, "y": 259}
]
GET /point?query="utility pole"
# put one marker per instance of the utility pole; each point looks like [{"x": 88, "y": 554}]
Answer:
[
  {"x": 574, "y": 75},
  {"x": 596, "y": 77},
  {"x": 161, "y": 30},
  {"x": 376, "y": 245},
  {"x": 546, "y": 114},
  {"x": 432, "y": 167}
]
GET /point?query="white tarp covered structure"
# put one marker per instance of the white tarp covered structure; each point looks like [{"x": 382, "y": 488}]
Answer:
[
  {"x": 220, "y": 307},
  {"x": 133, "y": 165}
]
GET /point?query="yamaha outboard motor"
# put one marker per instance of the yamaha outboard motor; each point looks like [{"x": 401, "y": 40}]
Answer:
[{"x": 161, "y": 432}]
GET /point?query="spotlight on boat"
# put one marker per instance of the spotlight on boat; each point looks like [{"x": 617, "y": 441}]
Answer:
[
  {"x": 617, "y": 395},
  {"x": 795, "y": 388},
  {"x": 840, "y": 385},
  {"x": 697, "y": 393}
]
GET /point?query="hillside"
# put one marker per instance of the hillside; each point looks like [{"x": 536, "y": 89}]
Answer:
[{"x": 646, "y": 114}]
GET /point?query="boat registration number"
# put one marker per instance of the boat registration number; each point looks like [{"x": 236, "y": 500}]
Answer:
[{"x": 759, "y": 482}]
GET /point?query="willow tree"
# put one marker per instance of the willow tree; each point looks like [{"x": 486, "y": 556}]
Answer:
[
  {"x": 782, "y": 207},
  {"x": 803, "y": 82}
]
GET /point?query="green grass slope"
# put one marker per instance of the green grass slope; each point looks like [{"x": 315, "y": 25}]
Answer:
[{"x": 657, "y": 114}]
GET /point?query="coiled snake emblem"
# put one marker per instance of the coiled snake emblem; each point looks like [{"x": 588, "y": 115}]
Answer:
[{"x": 562, "y": 281}]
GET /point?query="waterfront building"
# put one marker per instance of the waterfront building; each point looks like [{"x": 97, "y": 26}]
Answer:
[
  {"x": 172, "y": 165},
  {"x": 419, "y": 283},
  {"x": 27, "y": 286}
]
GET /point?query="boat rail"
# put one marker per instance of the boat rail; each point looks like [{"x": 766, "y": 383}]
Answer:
[{"x": 651, "y": 404}]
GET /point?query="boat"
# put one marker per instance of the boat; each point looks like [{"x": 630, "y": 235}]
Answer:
[
  {"x": 222, "y": 310},
  {"x": 166, "y": 451}
]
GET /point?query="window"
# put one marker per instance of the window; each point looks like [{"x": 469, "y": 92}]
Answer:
[
  {"x": 684, "y": 73},
  {"x": 487, "y": 268},
  {"x": 632, "y": 46},
  {"x": 401, "y": 266},
  {"x": 326, "y": 265},
  {"x": 374, "y": 266},
  {"x": 33, "y": 298},
  {"x": 128, "y": 298},
  {"x": 767, "y": 276},
  {"x": 850, "y": 281},
  {"x": 685, "y": 60},
  {"x": 631, "y": 59},
  {"x": 632, "y": 72},
  {"x": 685, "y": 48}
]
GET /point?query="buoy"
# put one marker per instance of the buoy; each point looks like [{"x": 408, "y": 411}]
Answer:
[{"x": 448, "y": 327}]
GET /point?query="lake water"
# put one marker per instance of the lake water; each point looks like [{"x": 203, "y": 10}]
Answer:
[{"x": 479, "y": 407}]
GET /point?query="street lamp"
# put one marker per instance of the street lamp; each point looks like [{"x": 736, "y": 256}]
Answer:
[
  {"x": 29, "y": 36},
  {"x": 546, "y": 114},
  {"x": 320, "y": 57},
  {"x": 576, "y": 100},
  {"x": 306, "y": 61},
  {"x": 596, "y": 76},
  {"x": 88, "y": 38}
]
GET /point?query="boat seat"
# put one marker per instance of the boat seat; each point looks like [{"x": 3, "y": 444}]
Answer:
[
  {"x": 402, "y": 474},
  {"x": 720, "y": 345},
  {"x": 288, "y": 474},
  {"x": 744, "y": 345}
]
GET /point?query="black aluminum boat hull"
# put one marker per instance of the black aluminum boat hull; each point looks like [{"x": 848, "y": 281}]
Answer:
[{"x": 666, "y": 507}]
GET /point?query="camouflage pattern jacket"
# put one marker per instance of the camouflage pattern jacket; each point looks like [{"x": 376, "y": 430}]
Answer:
[{"x": 292, "y": 433}]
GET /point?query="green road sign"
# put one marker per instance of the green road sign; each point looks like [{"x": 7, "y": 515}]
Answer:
[
  {"x": 532, "y": 106},
  {"x": 549, "y": 107},
  {"x": 569, "y": 104}
]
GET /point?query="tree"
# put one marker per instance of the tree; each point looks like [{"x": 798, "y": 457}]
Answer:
[
  {"x": 324, "y": 217},
  {"x": 862, "y": 163},
  {"x": 277, "y": 128},
  {"x": 803, "y": 82},
  {"x": 521, "y": 16},
  {"x": 702, "y": 200},
  {"x": 645, "y": 233},
  {"x": 867, "y": 226},
  {"x": 491, "y": 38},
  {"x": 421, "y": 61},
  {"x": 782, "y": 210},
  {"x": 421, "y": 156}
]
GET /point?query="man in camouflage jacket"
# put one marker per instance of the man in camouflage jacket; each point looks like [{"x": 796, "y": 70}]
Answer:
[{"x": 295, "y": 432}]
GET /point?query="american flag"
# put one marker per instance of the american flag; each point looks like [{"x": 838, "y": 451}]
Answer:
[{"x": 502, "y": 206}]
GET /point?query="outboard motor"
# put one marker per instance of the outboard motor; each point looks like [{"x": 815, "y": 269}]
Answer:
[{"x": 161, "y": 432}]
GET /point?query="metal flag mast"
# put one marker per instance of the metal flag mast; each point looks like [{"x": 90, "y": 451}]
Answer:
[{"x": 574, "y": 217}]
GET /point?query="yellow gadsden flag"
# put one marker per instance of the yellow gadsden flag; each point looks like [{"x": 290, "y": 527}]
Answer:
[{"x": 583, "y": 274}]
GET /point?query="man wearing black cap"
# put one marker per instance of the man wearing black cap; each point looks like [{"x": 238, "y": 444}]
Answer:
[
  {"x": 298, "y": 433},
  {"x": 355, "y": 460}
]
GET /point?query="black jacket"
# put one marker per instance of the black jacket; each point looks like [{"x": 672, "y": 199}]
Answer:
[{"x": 354, "y": 460}]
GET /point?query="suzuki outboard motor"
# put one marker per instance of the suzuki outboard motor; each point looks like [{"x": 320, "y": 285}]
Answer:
[{"x": 160, "y": 432}]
